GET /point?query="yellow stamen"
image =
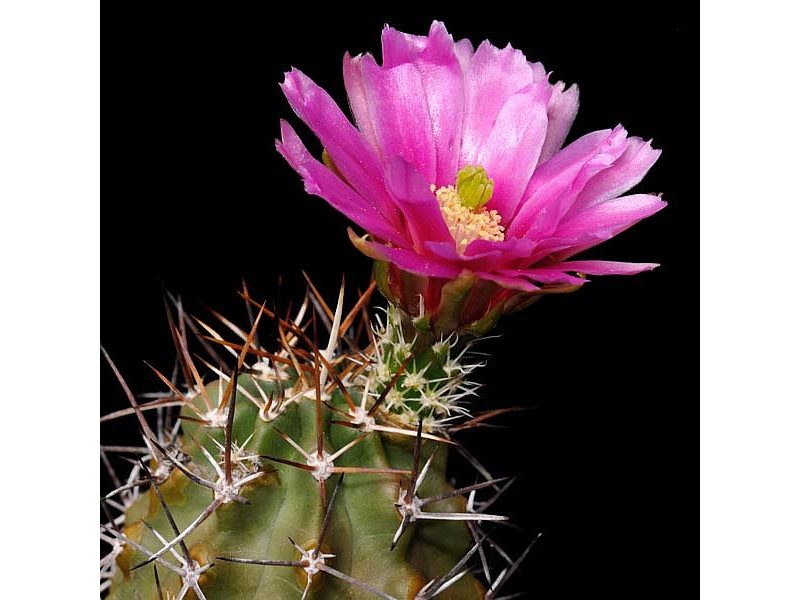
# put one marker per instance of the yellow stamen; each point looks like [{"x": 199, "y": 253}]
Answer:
[{"x": 469, "y": 223}]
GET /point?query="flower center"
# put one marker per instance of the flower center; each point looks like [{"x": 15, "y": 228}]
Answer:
[{"x": 463, "y": 210}]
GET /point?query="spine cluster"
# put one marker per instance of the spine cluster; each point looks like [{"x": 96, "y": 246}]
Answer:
[
  {"x": 433, "y": 383},
  {"x": 317, "y": 470}
]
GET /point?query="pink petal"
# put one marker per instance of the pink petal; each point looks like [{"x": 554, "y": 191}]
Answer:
[
  {"x": 539, "y": 72},
  {"x": 398, "y": 107},
  {"x": 510, "y": 279},
  {"x": 357, "y": 98},
  {"x": 512, "y": 249},
  {"x": 483, "y": 254},
  {"x": 556, "y": 183},
  {"x": 322, "y": 182},
  {"x": 408, "y": 260},
  {"x": 551, "y": 275},
  {"x": 605, "y": 220},
  {"x": 626, "y": 172},
  {"x": 494, "y": 75},
  {"x": 511, "y": 151},
  {"x": 611, "y": 215},
  {"x": 442, "y": 81},
  {"x": 561, "y": 112},
  {"x": 354, "y": 157},
  {"x": 607, "y": 267},
  {"x": 464, "y": 51},
  {"x": 398, "y": 47},
  {"x": 587, "y": 229},
  {"x": 418, "y": 204},
  {"x": 446, "y": 251}
]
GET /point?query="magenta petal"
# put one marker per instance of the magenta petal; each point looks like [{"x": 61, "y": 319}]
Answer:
[
  {"x": 561, "y": 112},
  {"x": 512, "y": 249},
  {"x": 553, "y": 247},
  {"x": 321, "y": 181},
  {"x": 607, "y": 267},
  {"x": 353, "y": 156},
  {"x": 511, "y": 151},
  {"x": 551, "y": 275},
  {"x": 446, "y": 251},
  {"x": 626, "y": 172},
  {"x": 408, "y": 260},
  {"x": 417, "y": 203},
  {"x": 514, "y": 280},
  {"x": 483, "y": 254},
  {"x": 555, "y": 184},
  {"x": 436, "y": 105}
]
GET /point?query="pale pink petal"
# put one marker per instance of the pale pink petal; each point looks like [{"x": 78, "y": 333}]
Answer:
[
  {"x": 561, "y": 113},
  {"x": 539, "y": 72},
  {"x": 353, "y": 155},
  {"x": 464, "y": 51},
  {"x": 321, "y": 181}
]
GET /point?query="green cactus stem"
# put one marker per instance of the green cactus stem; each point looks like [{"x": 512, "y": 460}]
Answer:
[{"x": 311, "y": 472}]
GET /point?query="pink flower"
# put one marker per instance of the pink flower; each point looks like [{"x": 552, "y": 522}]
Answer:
[{"x": 440, "y": 129}]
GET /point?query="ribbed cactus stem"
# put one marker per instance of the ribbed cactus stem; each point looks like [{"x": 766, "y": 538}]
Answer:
[
  {"x": 435, "y": 379},
  {"x": 313, "y": 472},
  {"x": 285, "y": 502}
]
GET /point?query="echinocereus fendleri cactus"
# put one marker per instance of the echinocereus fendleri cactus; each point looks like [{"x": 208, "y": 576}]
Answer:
[{"x": 305, "y": 454}]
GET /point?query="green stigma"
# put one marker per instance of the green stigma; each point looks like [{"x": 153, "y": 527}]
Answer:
[{"x": 474, "y": 187}]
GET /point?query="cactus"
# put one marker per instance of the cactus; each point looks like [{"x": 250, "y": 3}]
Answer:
[{"x": 317, "y": 470}]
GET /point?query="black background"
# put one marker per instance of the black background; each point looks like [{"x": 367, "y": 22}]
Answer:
[{"x": 195, "y": 197}]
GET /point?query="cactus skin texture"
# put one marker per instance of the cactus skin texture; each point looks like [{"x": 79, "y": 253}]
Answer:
[
  {"x": 286, "y": 503},
  {"x": 263, "y": 425}
]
